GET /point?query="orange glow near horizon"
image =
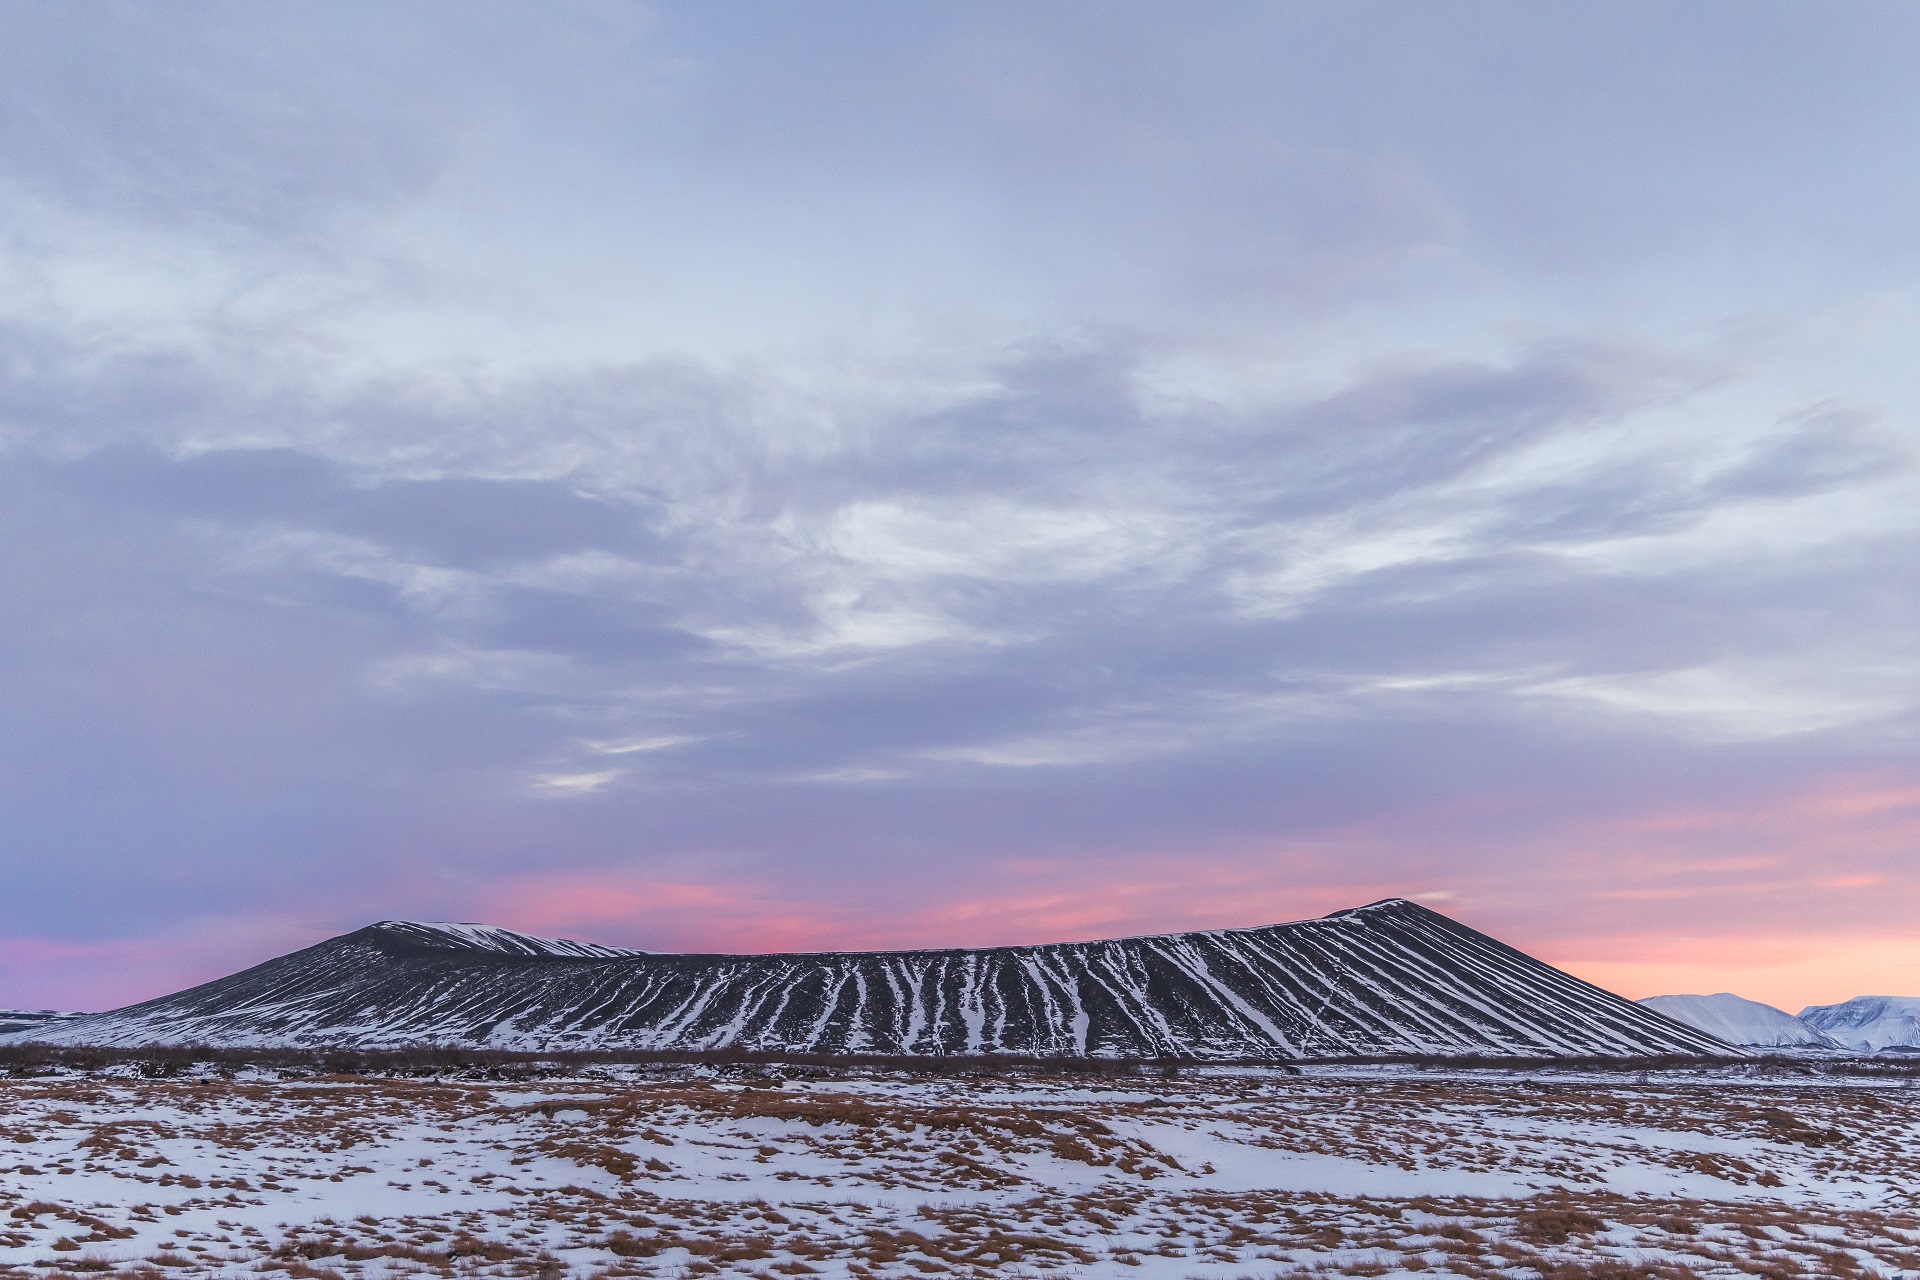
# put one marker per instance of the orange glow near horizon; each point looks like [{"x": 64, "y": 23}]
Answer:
[
  {"x": 1803, "y": 900},
  {"x": 1788, "y": 976},
  {"x": 1798, "y": 901},
  {"x": 697, "y": 917},
  {"x": 751, "y": 919},
  {"x": 1789, "y": 973}
]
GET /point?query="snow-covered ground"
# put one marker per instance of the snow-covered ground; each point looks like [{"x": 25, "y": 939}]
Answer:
[{"x": 1213, "y": 1173}]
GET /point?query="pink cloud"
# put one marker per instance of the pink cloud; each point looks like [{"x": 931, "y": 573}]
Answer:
[
  {"x": 107, "y": 974},
  {"x": 1787, "y": 973},
  {"x": 1044, "y": 902},
  {"x": 1805, "y": 897},
  {"x": 1801, "y": 899}
]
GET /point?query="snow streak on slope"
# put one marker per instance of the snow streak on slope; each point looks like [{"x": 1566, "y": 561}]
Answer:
[
  {"x": 1741, "y": 1021},
  {"x": 1390, "y": 978},
  {"x": 489, "y": 937},
  {"x": 1869, "y": 1024}
]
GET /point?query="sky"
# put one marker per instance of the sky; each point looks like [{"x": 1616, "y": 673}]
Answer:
[{"x": 770, "y": 476}]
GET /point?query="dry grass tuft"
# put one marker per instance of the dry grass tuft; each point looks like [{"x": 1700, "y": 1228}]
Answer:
[{"x": 1555, "y": 1225}]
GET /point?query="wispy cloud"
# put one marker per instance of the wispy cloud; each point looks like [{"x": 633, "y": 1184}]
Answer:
[{"x": 709, "y": 483}]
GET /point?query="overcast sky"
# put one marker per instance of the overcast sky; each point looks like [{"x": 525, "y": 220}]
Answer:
[{"x": 759, "y": 476}]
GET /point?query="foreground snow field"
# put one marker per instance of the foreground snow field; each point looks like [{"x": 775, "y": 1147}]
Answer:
[{"x": 1210, "y": 1173}]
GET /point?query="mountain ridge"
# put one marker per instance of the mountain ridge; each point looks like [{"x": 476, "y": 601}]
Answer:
[
  {"x": 453, "y": 932},
  {"x": 1869, "y": 1024},
  {"x": 1388, "y": 978},
  {"x": 498, "y": 940},
  {"x": 13, "y": 1021}
]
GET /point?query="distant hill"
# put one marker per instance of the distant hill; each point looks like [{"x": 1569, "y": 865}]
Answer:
[
  {"x": 1742, "y": 1022},
  {"x": 1869, "y": 1024},
  {"x": 1390, "y": 978},
  {"x": 20, "y": 1020}
]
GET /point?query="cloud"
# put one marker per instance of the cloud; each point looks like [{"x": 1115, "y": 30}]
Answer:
[
  {"x": 715, "y": 483},
  {"x": 121, "y": 116},
  {"x": 459, "y": 521},
  {"x": 1173, "y": 624}
]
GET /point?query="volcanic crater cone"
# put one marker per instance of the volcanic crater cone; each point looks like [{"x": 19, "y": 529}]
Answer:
[{"x": 1390, "y": 978}]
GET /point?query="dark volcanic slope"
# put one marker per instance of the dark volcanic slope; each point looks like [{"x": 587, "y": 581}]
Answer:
[{"x": 1389, "y": 978}]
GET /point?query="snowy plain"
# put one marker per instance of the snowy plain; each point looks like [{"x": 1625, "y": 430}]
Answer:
[{"x": 1213, "y": 1172}]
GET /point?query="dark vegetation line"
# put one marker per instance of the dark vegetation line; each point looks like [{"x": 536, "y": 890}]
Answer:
[{"x": 161, "y": 1061}]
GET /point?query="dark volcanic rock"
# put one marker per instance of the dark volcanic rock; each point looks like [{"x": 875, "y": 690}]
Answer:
[{"x": 1389, "y": 978}]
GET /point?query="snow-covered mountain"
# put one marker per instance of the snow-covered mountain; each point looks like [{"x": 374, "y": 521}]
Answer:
[
  {"x": 1389, "y": 978},
  {"x": 1739, "y": 1021},
  {"x": 12, "y": 1020},
  {"x": 1869, "y": 1024}
]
